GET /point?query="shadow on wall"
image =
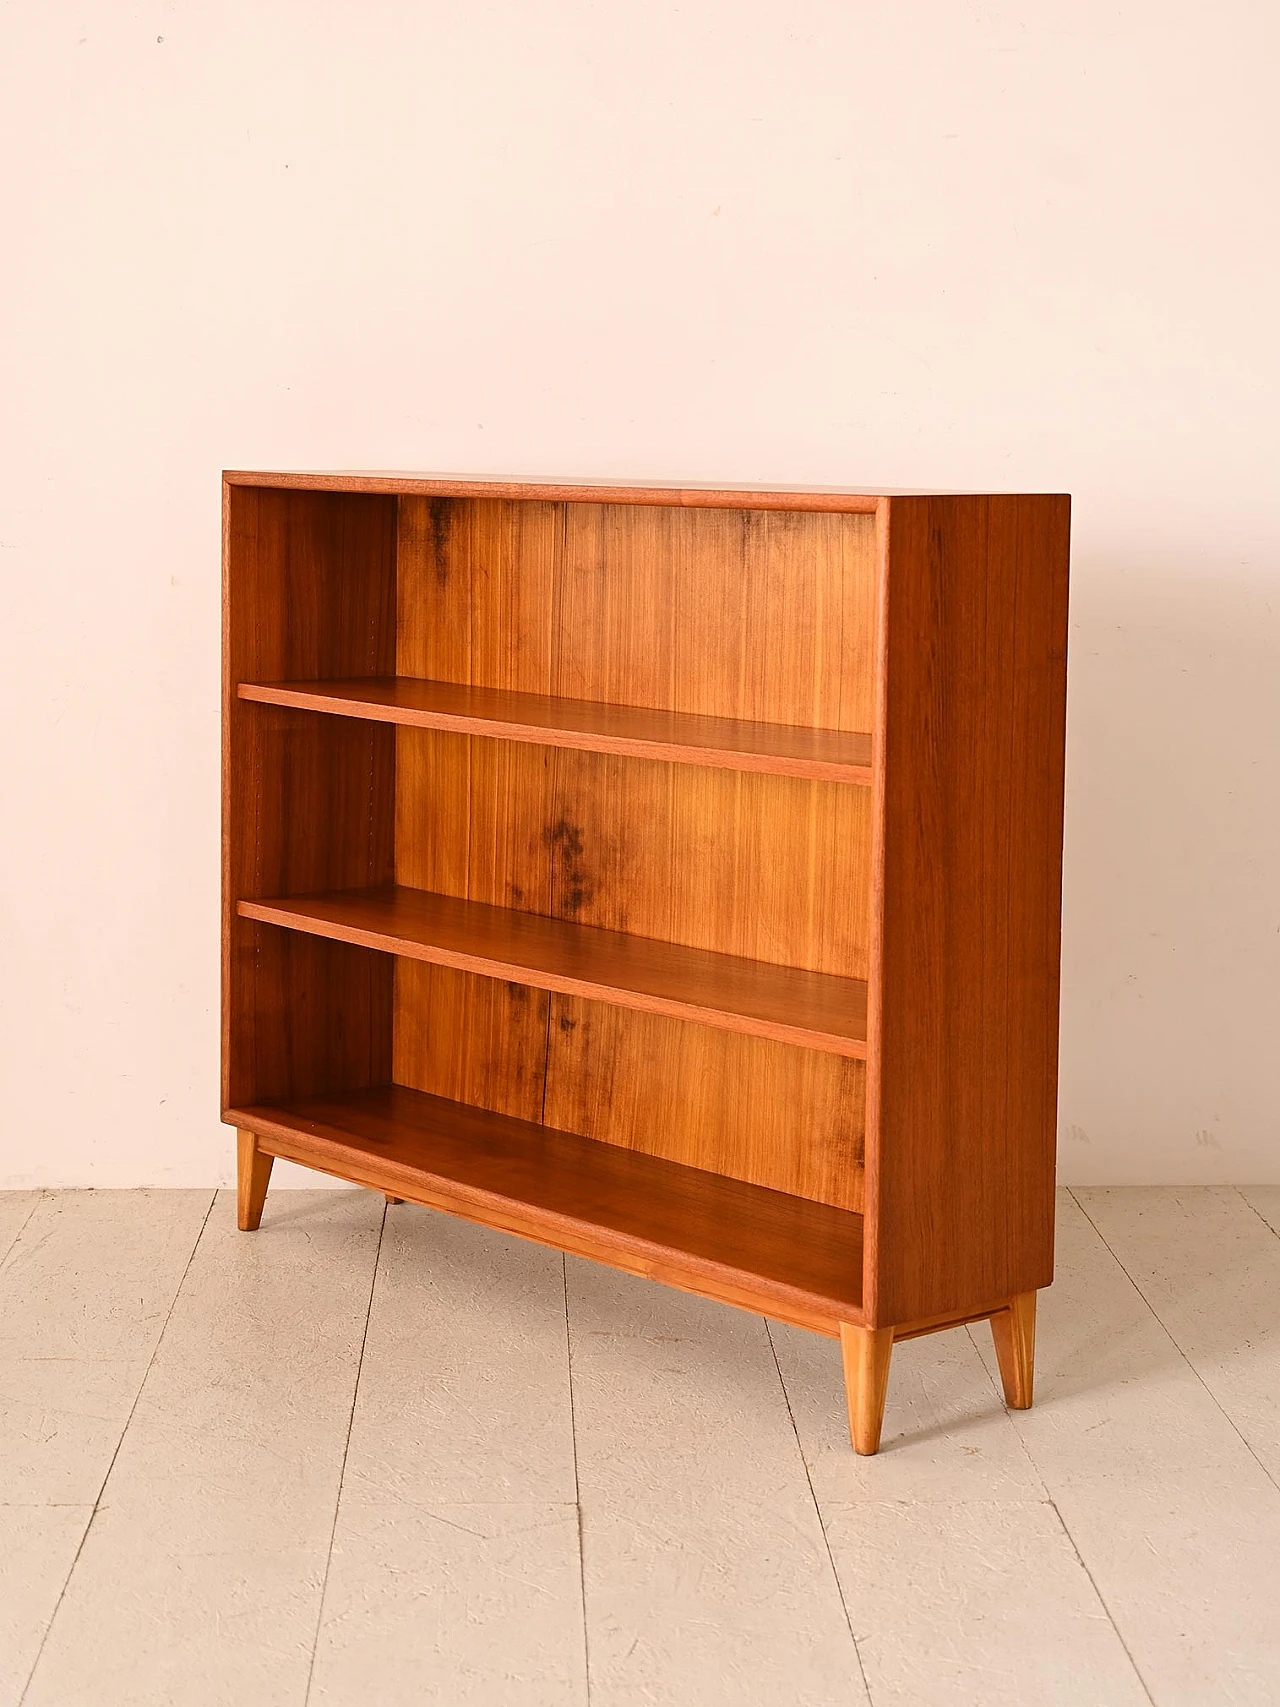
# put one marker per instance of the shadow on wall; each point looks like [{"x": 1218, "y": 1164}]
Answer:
[{"x": 1171, "y": 924}]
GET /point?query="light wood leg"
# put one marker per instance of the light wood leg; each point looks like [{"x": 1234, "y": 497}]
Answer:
[
  {"x": 391, "y": 1199},
  {"x": 1014, "y": 1331},
  {"x": 253, "y": 1170},
  {"x": 866, "y": 1353}
]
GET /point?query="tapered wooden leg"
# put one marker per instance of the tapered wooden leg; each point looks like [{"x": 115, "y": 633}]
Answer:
[
  {"x": 253, "y": 1170},
  {"x": 1014, "y": 1331},
  {"x": 866, "y": 1353}
]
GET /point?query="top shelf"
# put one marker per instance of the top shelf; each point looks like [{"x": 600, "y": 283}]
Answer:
[{"x": 721, "y": 743}]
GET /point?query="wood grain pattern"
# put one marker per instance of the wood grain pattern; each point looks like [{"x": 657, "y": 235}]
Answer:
[
  {"x": 311, "y": 588},
  {"x": 849, "y": 500},
  {"x": 773, "y": 868},
  {"x": 760, "y": 867},
  {"x": 471, "y": 1039},
  {"x": 743, "y": 615},
  {"x": 476, "y": 592},
  {"x": 800, "y": 1260},
  {"x": 524, "y": 597},
  {"x": 719, "y": 742},
  {"x": 785, "y": 1003},
  {"x": 471, "y": 822},
  {"x": 719, "y": 613},
  {"x": 253, "y": 1175},
  {"x": 1014, "y": 1333},
  {"x": 308, "y": 589},
  {"x": 866, "y": 1353},
  {"x": 472, "y": 817},
  {"x": 474, "y": 607},
  {"x": 961, "y": 1090},
  {"x": 608, "y": 841},
  {"x": 308, "y": 1012},
  {"x": 787, "y": 1118},
  {"x": 766, "y": 867}
]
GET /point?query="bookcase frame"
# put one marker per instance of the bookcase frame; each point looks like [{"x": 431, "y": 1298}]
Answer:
[{"x": 670, "y": 875}]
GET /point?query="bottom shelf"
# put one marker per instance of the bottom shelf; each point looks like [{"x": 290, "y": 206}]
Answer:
[{"x": 743, "y": 1244}]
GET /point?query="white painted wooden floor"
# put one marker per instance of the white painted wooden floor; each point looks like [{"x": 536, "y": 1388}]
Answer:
[{"x": 385, "y": 1457}]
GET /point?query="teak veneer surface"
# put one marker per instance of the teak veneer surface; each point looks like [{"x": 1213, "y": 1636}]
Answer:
[
  {"x": 785, "y": 1003},
  {"x": 766, "y": 868},
  {"x": 685, "y": 616},
  {"x": 771, "y": 1113},
  {"x": 962, "y": 1083},
  {"x": 764, "y": 616},
  {"x": 309, "y": 591},
  {"x": 721, "y": 742},
  {"x": 853, "y": 500},
  {"x": 732, "y": 862},
  {"x": 606, "y": 768},
  {"x": 740, "y": 1242}
]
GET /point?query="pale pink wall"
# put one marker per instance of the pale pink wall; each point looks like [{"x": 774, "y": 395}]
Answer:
[{"x": 1025, "y": 246}]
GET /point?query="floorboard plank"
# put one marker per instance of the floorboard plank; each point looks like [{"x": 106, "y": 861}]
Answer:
[
  {"x": 200, "y": 1577},
  {"x": 455, "y": 1573},
  {"x": 950, "y": 1520},
  {"x": 37, "y": 1549},
  {"x": 464, "y": 1392},
  {"x": 1124, "y": 1532},
  {"x": 1210, "y": 1269},
  {"x": 84, "y": 1294},
  {"x": 1174, "y": 1518},
  {"x": 474, "y": 1605},
  {"x": 707, "y": 1577},
  {"x": 976, "y": 1601}
]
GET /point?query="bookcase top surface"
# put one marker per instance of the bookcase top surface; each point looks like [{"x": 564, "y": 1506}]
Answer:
[{"x": 690, "y": 494}]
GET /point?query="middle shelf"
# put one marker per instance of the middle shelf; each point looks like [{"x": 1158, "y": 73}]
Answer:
[
  {"x": 816, "y": 1010},
  {"x": 831, "y": 755}
]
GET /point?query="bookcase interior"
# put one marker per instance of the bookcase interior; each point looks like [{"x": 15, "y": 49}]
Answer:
[{"x": 762, "y": 618}]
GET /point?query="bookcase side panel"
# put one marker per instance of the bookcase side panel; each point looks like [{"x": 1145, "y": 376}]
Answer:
[
  {"x": 962, "y": 1076},
  {"x": 307, "y": 804}
]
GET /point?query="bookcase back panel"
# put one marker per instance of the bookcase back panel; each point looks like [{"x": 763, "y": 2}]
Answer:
[
  {"x": 475, "y": 584},
  {"x": 472, "y": 818},
  {"x": 757, "y": 614},
  {"x": 773, "y": 868},
  {"x": 476, "y": 1040},
  {"x": 768, "y": 1113},
  {"x": 791, "y": 1119}
]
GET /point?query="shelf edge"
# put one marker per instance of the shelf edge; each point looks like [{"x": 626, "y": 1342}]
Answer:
[
  {"x": 305, "y": 698},
  {"x": 720, "y": 1019}
]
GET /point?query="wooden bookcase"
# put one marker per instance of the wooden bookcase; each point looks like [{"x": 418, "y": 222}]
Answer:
[{"x": 668, "y": 875}]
